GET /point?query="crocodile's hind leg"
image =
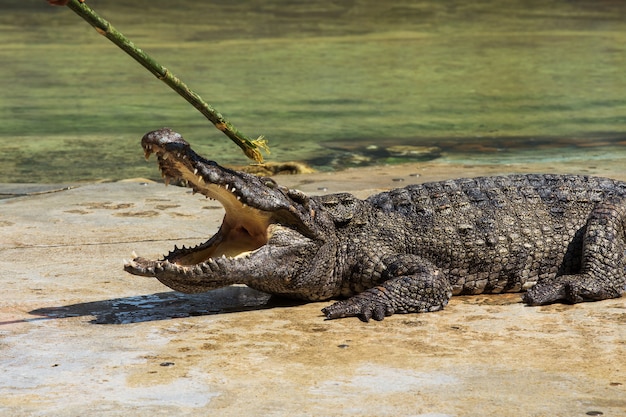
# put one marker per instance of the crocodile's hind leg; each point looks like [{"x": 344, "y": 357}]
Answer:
[
  {"x": 603, "y": 266},
  {"x": 411, "y": 285}
]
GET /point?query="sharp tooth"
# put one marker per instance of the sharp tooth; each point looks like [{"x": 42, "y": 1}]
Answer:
[
  {"x": 125, "y": 262},
  {"x": 165, "y": 156},
  {"x": 195, "y": 171},
  {"x": 200, "y": 179},
  {"x": 238, "y": 198},
  {"x": 223, "y": 256},
  {"x": 233, "y": 190},
  {"x": 134, "y": 254},
  {"x": 226, "y": 186}
]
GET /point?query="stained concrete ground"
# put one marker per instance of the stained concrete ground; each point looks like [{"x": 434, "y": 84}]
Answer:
[{"x": 79, "y": 336}]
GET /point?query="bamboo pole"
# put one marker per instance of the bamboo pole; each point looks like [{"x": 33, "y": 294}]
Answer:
[{"x": 250, "y": 147}]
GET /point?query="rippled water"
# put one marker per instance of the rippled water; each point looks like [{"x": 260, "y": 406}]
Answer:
[{"x": 333, "y": 83}]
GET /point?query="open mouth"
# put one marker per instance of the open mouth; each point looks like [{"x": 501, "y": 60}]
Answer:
[{"x": 245, "y": 228}]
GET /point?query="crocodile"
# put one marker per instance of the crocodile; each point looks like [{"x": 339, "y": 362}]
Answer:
[{"x": 553, "y": 238}]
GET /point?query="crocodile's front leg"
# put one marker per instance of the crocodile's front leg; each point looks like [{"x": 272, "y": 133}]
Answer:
[
  {"x": 411, "y": 285},
  {"x": 603, "y": 268}
]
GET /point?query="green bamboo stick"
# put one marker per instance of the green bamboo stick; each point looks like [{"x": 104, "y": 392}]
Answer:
[{"x": 250, "y": 147}]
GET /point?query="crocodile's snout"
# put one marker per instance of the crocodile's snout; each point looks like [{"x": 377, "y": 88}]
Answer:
[{"x": 165, "y": 139}]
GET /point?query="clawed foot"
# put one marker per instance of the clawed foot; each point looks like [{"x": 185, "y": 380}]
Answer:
[
  {"x": 404, "y": 294},
  {"x": 362, "y": 306},
  {"x": 569, "y": 289}
]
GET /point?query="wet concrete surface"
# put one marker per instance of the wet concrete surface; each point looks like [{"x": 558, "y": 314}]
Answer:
[{"x": 79, "y": 336}]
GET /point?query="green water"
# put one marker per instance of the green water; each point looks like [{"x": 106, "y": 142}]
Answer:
[{"x": 486, "y": 81}]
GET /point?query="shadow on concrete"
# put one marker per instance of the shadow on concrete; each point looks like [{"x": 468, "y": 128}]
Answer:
[{"x": 167, "y": 305}]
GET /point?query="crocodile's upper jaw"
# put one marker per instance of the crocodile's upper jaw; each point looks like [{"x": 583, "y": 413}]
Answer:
[{"x": 254, "y": 207}]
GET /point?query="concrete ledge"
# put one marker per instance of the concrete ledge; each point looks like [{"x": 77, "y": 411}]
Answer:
[{"x": 79, "y": 336}]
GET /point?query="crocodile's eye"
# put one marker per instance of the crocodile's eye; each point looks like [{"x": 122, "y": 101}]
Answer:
[
  {"x": 298, "y": 196},
  {"x": 269, "y": 183}
]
